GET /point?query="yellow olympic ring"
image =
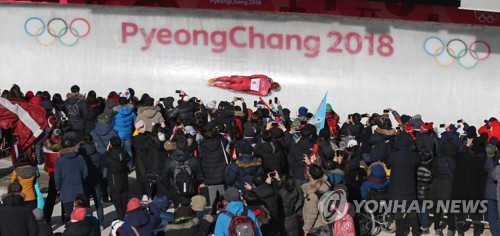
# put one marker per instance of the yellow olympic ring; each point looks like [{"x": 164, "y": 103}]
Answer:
[
  {"x": 450, "y": 50},
  {"x": 45, "y": 44}
]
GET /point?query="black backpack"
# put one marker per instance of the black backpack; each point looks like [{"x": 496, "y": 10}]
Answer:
[
  {"x": 73, "y": 111},
  {"x": 183, "y": 179}
]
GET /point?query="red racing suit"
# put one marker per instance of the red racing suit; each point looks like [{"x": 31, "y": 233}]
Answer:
[{"x": 254, "y": 84}]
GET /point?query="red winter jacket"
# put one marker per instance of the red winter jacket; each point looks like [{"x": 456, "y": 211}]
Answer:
[{"x": 51, "y": 149}]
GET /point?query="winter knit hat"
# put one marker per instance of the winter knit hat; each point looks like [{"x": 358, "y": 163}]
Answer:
[
  {"x": 190, "y": 130},
  {"x": 78, "y": 214},
  {"x": 329, "y": 107},
  {"x": 452, "y": 128},
  {"x": 409, "y": 128},
  {"x": 30, "y": 94},
  {"x": 14, "y": 187},
  {"x": 183, "y": 212},
  {"x": 38, "y": 213},
  {"x": 56, "y": 133},
  {"x": 245, "y": 147},
  {"x": 426, "y": 127},
  {"x": 491, "y": 150},
  {"x": 417, "y": 117},
  {"x": 140, "y": 126},
  {"x": 302, "y": 111},
  {"x": 198, "y": 203},
  {"x": 211, "y": 105},
  {"x": 232, "y": 194},
  {"x": 405, "y": 119},
  {"x": 134, "y": 204}
]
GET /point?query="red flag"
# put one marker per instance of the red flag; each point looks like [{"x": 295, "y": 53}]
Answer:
[{"x": 27, "y": 120}]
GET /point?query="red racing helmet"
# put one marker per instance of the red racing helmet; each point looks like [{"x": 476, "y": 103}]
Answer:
[{"x": 275, "y": 86}]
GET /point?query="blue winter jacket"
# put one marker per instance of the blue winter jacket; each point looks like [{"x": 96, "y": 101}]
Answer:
[
  {"x": 70, "y": 173},
  {"x": 123, "y": 123},
  {"x": 145, "y": 223},
  {"x": 102, "y": 133},
  {"x": 223, "y": 220},
  {"x": 377, "y": 180}
]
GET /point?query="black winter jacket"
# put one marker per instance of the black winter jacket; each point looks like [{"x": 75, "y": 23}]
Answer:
[
  {"x": 272, "y": 155},
  {"x": 71, "y": 99},
  {"x": 182, "y": 112},
  {"x": 443, "y": 171},
  {"x": 213, "y": 161},
  {"x": 16, "y": 218},
  {"x": 296, "y": 163},
  {"x": 92, "y": 159},
  {"x": 424, "y": 176},
  {"x": 243, "y": 170},
  {"x": 179, "y": 156},
  {"x": 80, "y": 228},
  {"x": 116, "y": 160},
  {"x": 470, "y": 176},
  {"x": 403, "y": 163}
]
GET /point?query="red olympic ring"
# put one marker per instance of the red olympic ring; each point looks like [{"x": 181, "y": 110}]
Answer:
[
  {"x": 71, "y": 29},
  {"x": 475, "y": 56}
]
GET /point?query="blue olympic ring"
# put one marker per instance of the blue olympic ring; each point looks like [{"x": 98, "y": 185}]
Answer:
[
  {"x": 439, "y": 39},
  {"x": 34, "y": 18}
]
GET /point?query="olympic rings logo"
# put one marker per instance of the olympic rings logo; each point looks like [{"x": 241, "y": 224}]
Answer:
[
  {"x": 57, "y": 29},
  {"x": 467, "y": 56}
]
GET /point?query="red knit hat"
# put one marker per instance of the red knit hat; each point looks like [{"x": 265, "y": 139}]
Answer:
[
  {"x": 78, "y": 214},
  {"x": 409, "y": 128},
  {"x": 29, "y": 94},
  {"x": 425, "y": 127},
  {"x": 133, "y": 204}
]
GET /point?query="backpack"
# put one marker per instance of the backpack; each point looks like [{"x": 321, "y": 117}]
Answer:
[
  {"x": 344, "y": 226},
  {"x": 241, "y": 225},
  {"x": 73, "y": 111},
  {"x": 183, "y": 179}
]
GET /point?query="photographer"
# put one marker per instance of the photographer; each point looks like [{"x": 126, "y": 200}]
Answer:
[
  {"x": 141, "y": 219},
  {"x": 184, "y": 110}
]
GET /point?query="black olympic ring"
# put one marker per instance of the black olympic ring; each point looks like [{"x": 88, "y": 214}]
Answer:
[
  {"x": 448, "y": 48},
  {"x": 65, "y": 27}
]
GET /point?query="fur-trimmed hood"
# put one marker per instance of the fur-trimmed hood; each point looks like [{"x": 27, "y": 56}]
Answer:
[
  {"x": 387, "y": 132},
  {"x": 315, "y": 185},
  {"x": 254, "y": 163},
  {"x": 52, "y": 145},
  {"x": 190, "y": 224},
  {"x": 148, "y": 111},
  {"x": 74, "y": 96},
  {"x": 64, "y": 151},
  {"x": 129, "y": 105},
  {"x": 336, "y": 171}
]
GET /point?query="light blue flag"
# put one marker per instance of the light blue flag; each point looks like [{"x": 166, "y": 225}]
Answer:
[{"x": 318, "y": 119}]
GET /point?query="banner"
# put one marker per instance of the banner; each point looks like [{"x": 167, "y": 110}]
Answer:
[
  {"x": 444, "y": 72},
  {"x": 481, "y": 5},
  {"x": 398, "y": 10}
]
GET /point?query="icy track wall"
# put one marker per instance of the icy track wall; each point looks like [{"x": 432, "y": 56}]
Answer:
[{"x": 444, "y": 71}]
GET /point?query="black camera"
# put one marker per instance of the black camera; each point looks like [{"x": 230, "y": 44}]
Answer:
[
  {"x": 177, "y": 91},
  {"x": 386, "y": 111}
]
